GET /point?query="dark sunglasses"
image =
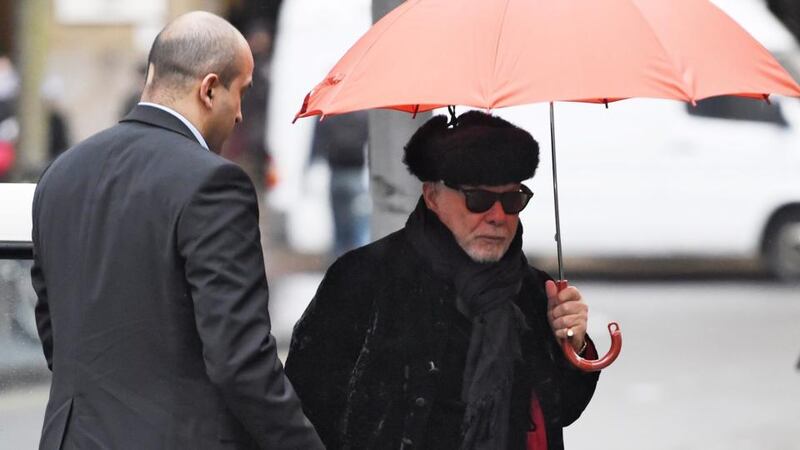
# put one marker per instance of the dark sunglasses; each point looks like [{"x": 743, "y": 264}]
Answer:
[{"x": 479, "y": 200}]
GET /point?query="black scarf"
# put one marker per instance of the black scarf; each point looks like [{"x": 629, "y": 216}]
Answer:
[{"x": 485, "y": 295}]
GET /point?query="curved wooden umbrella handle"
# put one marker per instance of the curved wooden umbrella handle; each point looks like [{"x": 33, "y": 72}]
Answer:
[
  {"x": 594, "y": 365},
  {"x": 588, "y": 365}
]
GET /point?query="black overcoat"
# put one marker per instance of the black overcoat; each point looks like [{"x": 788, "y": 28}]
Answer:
[
  {"x": 364, "y": 357},
  {"x": 152, "y": 306}
]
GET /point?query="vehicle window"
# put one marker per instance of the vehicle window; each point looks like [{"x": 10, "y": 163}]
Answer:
[
  {"x": 18, "y": 300},
  {"x": 739, "y": 108},
  {"x": 24, "y": 378}
]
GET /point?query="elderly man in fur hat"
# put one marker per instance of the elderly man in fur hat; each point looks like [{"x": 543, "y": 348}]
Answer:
[{"x": 440, "y": 335}]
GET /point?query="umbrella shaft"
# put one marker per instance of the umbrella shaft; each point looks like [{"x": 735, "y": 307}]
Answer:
[{"x": 555, "y": 192}]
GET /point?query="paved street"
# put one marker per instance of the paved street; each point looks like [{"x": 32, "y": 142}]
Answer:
[
  {"x": 21, "y": 413},
  {"x": 705, "y": 365}
]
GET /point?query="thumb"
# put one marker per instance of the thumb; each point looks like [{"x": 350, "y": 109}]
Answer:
[{"x": 552, "y": 292}]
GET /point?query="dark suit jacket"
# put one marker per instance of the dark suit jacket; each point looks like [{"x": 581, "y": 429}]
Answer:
[{"x": 153, "y": 299}]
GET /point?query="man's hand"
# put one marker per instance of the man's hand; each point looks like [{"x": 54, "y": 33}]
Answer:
[{"x": 567, "y": 314}]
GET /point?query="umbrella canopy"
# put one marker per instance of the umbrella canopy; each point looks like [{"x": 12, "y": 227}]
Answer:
[
  {"x": 426, "y": 54},
  {"x": 488, "y": 54}
]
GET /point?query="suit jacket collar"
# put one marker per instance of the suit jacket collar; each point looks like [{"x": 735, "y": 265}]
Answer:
[{"x": 159, "y": 118}]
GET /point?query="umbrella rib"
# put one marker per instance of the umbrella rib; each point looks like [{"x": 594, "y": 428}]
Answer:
[
  {"x": 368, "y": 49},
  {"x": 497, "y": 48},
  {"x": 686, "y": 89}
]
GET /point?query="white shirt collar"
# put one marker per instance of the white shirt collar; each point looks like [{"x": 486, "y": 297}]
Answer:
[{"x": 186, "y": 122}]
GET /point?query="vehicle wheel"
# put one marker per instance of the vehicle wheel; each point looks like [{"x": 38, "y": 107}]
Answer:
[{"x": 783, "y": 247}]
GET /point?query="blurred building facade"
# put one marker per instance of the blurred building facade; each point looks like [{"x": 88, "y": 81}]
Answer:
[{"x": 80, "y": 57}]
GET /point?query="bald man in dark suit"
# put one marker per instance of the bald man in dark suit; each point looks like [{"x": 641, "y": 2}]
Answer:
[{"x": 148, "y": 266}]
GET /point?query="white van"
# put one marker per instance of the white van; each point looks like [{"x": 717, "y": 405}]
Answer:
[
  {"x": 15, "y": 220},
  {"x": 643, "y": 178},
  {"x": 17, "y": 297},
  {"x": 663, "y": 179}
]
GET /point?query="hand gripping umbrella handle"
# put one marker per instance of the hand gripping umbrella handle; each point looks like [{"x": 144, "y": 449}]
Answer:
[{"x": 587, "y": 365}]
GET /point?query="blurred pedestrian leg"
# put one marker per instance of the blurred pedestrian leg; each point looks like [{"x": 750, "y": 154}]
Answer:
[
  {"x": 342, "y": 140},
  {"x": 351, "y": 206}
]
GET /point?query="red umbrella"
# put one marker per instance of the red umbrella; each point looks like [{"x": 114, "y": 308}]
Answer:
[{"x": 427, "y": 54}]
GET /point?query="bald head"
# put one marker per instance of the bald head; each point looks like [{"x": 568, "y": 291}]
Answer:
[
  {"x": 188, "y": 48},
  {"x": 200, "y": 67}
]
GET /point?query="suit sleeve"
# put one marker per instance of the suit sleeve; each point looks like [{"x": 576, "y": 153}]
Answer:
[
  {"x": 219, "y": 239},
  {"x": 326, "y": 344},
  {"x": 42, "y": 309}
]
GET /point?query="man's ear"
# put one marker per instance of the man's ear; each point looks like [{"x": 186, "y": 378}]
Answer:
[
  {"x": 208, "y": 86},
  {"x": 429, "y": 194},
  {"x": 150, "y": 74}
]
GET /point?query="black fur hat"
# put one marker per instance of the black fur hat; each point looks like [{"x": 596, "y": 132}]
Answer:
[{"x": 481, "y": 149}]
